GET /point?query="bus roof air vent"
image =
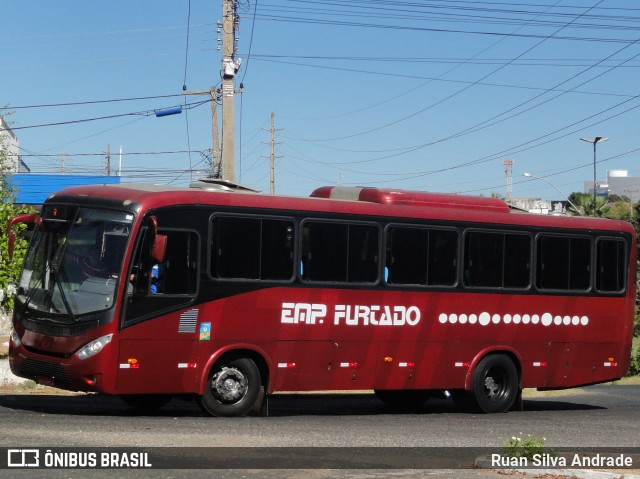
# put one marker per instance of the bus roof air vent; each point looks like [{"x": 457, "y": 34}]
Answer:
[
  {"x": 218, "y": 184},
  {"x": 411, "y": 198}
]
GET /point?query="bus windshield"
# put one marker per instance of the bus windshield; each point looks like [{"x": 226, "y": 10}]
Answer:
[{"x": 74, "y": 260}]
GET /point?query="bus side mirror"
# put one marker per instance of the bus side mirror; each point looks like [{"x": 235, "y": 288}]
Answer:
[
  {"x": 28, "y": 218},
  {"x": 159, "y": 243},
  {"x": 159, "y": 248},
  {"x": 12, "y": 244}
]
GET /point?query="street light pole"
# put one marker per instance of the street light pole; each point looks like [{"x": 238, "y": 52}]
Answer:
[
  {"x": 595, "y": 141},
  {"x": 529, "y": 175}
]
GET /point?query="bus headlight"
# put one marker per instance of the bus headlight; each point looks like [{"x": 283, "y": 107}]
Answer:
[
  {"x": 94, "y": 347},
  {"x": 15, "y": 339}
]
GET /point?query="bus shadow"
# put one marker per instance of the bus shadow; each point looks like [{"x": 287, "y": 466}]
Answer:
[
  {"x": 280, "y": 405},
  {"x": 359, "y": 404},
  {"x": 93, "y": 405}
]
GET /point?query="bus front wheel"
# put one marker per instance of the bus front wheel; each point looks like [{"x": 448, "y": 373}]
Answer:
[
  {"x": 232, "y": 388},
  {"x": 495, "y": 384}
]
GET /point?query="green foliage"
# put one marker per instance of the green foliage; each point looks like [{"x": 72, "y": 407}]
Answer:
[
  {"x": 634, "y": 366},
  {"x": 584, "y": 203},
  {"x": 9, "y": 269},
  {"x": 527, "y": 447}
]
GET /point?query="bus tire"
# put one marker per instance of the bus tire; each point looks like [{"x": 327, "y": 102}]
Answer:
[
  {"x": 146, "y": 402},
  {"x": 403, "y": 398},
  {"x": 233, "y": 388},
  {"x": 495, "y": 384}
]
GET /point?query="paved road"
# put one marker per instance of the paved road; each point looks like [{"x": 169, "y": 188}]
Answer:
[{"x": 598, "y": 416}]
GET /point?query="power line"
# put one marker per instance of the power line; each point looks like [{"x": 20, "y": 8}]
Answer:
[
  {"x": 84, "y": 120},
  {"x": 93, "y": 102}
]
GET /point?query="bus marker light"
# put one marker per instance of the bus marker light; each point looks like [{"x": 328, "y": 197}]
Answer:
[
  {"x": 463, "y": 365},
  {"x": 187, "y": 365},
  {"x": 90, "y": 380},
  {"x": 388, "y": 359},
  {"x": 286, "y": 365},
  {"x": 407, "y": 365},
  {"x": 132, "y": 361},
  {"x": 349, "y": 365},
  {"x": 539, "y": 364},
  {"x": 609, "y": 364}
]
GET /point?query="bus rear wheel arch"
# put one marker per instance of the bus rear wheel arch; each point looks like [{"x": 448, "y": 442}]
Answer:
[
  {"x": 495, "y": 386},
  {"x": 233, "y": 388}
]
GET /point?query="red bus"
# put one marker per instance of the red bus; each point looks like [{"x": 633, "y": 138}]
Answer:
[{"x": 151, "y": 292}]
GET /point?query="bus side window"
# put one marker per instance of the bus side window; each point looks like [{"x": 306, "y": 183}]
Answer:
[
  {"x": 178, "y": 273},
  {"x": 252, "y": 248},
  {"x": 611, "y": 261}
]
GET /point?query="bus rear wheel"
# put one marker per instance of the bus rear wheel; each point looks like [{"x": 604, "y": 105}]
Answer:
[
  {"x": 403, "y": 398},
  {"x": 495, "y": 384},
  {"x": 233, "y": 388}
]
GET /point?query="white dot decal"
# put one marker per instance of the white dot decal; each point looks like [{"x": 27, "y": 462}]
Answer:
[{"x": 485, "y": 318}]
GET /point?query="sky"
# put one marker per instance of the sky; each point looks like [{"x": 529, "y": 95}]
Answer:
[{"x": 418, "y": 95}]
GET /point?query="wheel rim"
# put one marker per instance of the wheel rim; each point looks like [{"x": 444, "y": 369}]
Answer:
[
  {"x": 229, "y": 385},
  {"x": 494, "y": 385}
]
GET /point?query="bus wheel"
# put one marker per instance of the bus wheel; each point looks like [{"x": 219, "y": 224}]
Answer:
[
  {"x": 146, "y": 402},
  {"x": 403, "y": 398},
  {"x": 495, "y": 385},
  {"x": 232, "y": 389}
]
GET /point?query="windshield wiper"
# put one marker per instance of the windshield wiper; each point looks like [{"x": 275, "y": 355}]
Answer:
[{"x": 63, "y": 296}]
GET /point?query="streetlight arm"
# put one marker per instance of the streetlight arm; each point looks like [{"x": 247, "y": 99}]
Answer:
[{"x": 529, "y": 175}]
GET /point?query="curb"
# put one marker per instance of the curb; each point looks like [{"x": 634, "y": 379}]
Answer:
[{"x": 483, "y": 462}]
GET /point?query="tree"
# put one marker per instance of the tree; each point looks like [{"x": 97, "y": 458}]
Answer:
[
  {"x": 584, "y": 202},
  {"x": 9, "y": 269}
]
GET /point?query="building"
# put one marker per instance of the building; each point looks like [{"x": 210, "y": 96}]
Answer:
[
  {"x": 9, "y": 141},
  {"x": 33, "y": 189},
  {"x": 540, "y": 206},
  {"x": 619, "y": 183}
]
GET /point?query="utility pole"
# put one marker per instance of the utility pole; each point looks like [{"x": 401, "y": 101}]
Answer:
[
  {"x": 223, "y": 162},
  {"x": 272, "y": 156},
  {"x": 216, "y": 167},
  {"x": 230, "y": 66},
  {"x": 109, "y": 159},
  {"x": 508, "y": 165}
]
